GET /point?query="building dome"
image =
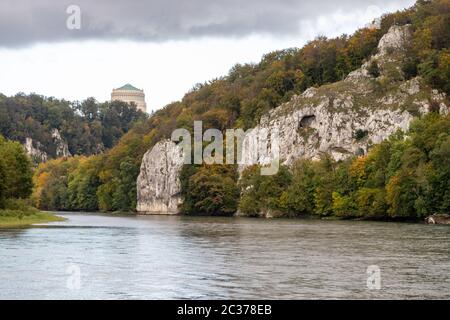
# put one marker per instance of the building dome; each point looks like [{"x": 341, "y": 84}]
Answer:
[{"x": 129, "y": 94}]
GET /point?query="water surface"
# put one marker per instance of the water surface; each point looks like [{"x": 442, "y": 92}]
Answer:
[{"x": 222, "y": 258}]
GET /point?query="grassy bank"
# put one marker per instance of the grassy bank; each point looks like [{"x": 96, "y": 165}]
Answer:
[
  {"x": 19, "y": 214},
  {"x": 17, "y": 219}
]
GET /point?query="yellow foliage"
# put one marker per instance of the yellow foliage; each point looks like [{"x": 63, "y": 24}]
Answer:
[
  {"x": 392, "y": 197},
  {"x": 358, "y": 170}
]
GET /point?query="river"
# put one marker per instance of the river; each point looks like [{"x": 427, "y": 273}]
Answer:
[{"x": 162, "y": 257}]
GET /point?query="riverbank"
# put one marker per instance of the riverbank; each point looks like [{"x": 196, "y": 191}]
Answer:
[
  {"x": 265, "y": 216},
  {"x": 269, "y": 217},
  {"x": 25, "y": 218}
]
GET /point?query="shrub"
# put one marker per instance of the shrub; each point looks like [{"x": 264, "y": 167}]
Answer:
[
  {"x": 374, "y": 70},
  {"x": 360, "y": 134}
]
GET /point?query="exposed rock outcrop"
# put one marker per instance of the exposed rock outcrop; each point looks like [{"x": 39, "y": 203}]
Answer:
[
  {"x": 330, "y": 131},
  {"x": 341, "y": 119},
  {"x": 390, "y": 52},
  {"x": 158, "y": 184},
  {"x": 39, "y": 153},
  {"x": 35, "y": 152},
  {"x": 62, "y": 148},
  {"x": 345, "y": 118}
]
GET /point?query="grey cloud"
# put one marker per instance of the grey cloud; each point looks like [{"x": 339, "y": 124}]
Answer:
[{"x": 24, "y": 22}]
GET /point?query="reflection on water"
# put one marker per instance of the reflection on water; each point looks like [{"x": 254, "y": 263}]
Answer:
[{"x": 222, "y": 258}]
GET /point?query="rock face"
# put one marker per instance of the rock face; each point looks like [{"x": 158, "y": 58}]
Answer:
[
  {"x": 395, "y": 39},
  {"x": 158, "y": 184},
  {"x": 341, "y": 119},
  {"x": 313, "y": 131},
  {"x": 345, "y": 118},
  {"x": 37, "y": 151},
  {"x": 62, "y": 148}
]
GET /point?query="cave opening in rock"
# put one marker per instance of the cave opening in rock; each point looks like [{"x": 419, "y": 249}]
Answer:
[{"x": 307, "y": 121}]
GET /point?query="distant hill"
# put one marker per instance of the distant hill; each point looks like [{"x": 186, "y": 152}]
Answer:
[{"x": 50, "y": 128}]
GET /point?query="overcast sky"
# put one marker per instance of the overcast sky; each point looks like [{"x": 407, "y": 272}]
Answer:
[{"x": 161, "y": 46}]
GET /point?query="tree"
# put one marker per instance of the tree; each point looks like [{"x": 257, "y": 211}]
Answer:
[
  {"x": 2, "y": 184},
  {"x": 438, "y": 197},
  {"x": 401, "y": 195},
  {"x": 250, "y": 202},
  {"x": 51, "y": 180},
  {"x": 82, "y": 185},
  {"x": 124, "y": 198},
  {"x": 343, "y": 206},
  {"x": 371, "y": 202},
  {"x": 374, "y": 70},
  {"x": 298, "y": 198},
  {"x": 444, "y": 71},
  {"x": 261, "y": 194},
  {"x": 17, "y": 168},
  {"x": 323, "y": 195},
  {"x": 210, "y": 190}
]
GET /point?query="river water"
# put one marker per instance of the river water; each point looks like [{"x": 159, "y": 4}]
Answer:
[{"x": 160, "y": 257}]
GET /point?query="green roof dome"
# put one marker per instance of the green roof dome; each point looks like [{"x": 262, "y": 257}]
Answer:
[{"x": 128, "y": 87}]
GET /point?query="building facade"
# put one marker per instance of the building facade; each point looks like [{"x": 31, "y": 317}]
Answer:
[{"x": 130, "y": 94}]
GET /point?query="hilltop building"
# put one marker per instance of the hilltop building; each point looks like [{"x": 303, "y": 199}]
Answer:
[{"x": 129, "y": 94}]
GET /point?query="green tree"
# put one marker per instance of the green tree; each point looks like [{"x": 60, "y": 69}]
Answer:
[
  {"x": 260, "y": 194},
  {"x": 210, "y": 190},
  {"x": 438, "y": 197},
  {"x": 323, "y": 195},
  {"x": 82, "y": 185},
  {"x": 298, "y": 198},
  {"x": 2, "y": 184},
  {"x": 17, "y": 166},
  {"x": 124, "y": 198},
  {"x": 371, "y": 202},
  {"x": 343, "y": 206}
]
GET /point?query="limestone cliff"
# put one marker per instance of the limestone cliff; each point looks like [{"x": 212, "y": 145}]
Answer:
[
  {"x": 348, "y": 117},
  {"x": 341, "y": 119},
  {"x": 62, "y": 148},
  {"x": 37, "y": 151},
  {"x": 158, "y": 184}
]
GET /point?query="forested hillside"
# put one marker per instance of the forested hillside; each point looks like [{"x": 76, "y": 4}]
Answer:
[
  {"x": 87, "y": 128},
  {"x": 108, "y": 181},
  {"x": 407, "y": 176}
]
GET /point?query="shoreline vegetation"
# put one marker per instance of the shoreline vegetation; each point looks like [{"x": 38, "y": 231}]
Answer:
[
  {"x": 16, "y": 186},
  {"x": 25, "y": 218},
  {"x": 405, "y": 178},
  {"x": 18, "y": 219}
]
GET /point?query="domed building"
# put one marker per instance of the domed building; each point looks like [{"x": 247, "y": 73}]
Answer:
[{"x": 129, "y": 94}]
